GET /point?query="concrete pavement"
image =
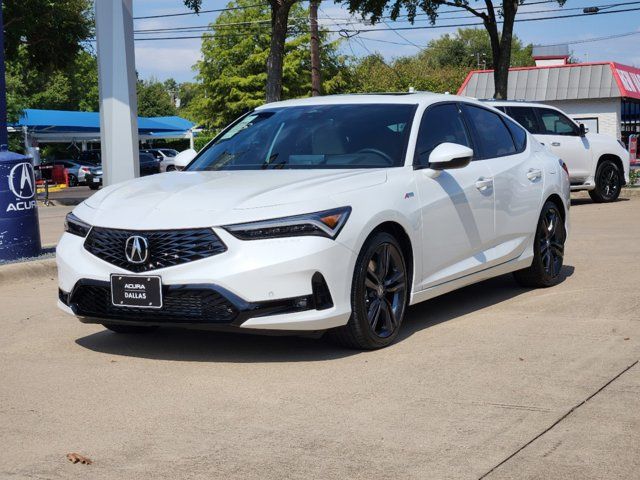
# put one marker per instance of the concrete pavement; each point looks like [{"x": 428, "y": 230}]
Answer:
[{"x": 485, "y": 382}]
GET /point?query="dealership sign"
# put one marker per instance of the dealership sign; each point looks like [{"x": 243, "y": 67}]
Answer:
[{"x": 628, "y": 80}]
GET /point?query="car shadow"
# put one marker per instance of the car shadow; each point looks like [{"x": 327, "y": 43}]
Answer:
[
  {"x": 208, "y": 346},
  {"x": 587, "y": 201}
]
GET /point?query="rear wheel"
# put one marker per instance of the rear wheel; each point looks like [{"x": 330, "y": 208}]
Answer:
[
  {"x": 72, "y": 181},
  {"x": 548, "y": 250},
  {"x": 379, "y": 295},
  {"x": 171, "y": 168},
  {"x": 608, "y": 183},
  {"x": 129, "y": 328}
]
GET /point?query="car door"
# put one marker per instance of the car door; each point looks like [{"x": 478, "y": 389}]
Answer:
[
  {"x": 563, "y": 138},
  {"x": 456, "y": 204},
  {"x": 518, "y": 180}
]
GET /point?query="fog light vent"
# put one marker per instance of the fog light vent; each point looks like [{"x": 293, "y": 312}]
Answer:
[{"x": 321, "y": 295}]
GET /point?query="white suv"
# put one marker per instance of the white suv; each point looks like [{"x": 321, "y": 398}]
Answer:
[{"x": 597, "y": 163}]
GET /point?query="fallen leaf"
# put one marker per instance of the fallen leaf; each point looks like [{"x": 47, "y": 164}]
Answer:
[
  {"x": 521, "y": 359},
  {"x": 626, "y": 338},
  {"x": 77, "y": 458}
]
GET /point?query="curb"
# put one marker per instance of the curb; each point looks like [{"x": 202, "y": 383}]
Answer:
[{"x": 30, "y": 270}]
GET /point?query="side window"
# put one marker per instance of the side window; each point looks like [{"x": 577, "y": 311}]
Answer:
[
  {"x": 555, "y": 123},
  {"x": 518, "y": 133},
  {"x": 493, "y": 137},
  {"x": 440, "y": 124},
  {"x": 526, "y": 117}
]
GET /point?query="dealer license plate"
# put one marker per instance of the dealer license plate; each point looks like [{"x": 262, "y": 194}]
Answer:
[{"x": 136, "y": 291}]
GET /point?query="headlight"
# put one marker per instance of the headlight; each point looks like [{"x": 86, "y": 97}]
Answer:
[
  {"x": 75, "y": 226},
  {"x": 327, "y": 223}
]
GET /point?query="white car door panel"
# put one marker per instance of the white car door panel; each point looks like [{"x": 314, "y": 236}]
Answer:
[{"x": 457, "y": 222}]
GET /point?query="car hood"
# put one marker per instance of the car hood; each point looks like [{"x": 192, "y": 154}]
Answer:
[{"x": 193, "y": 199}]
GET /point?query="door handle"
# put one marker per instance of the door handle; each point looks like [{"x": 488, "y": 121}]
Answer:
[
  {"x": 555, "y": 144},
  {"x": 533, "y": 174},
  {"x": 484, "y": 184}
]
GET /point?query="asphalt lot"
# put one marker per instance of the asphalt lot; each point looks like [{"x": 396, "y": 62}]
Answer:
[{"x": 490, "y": 379}]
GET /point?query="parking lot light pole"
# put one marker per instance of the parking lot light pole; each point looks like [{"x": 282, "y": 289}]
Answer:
[{"x": 117, "y": 81}]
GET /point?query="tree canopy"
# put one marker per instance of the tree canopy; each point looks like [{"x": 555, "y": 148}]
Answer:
[
  {"x": 232, "y": 70},
  {"x": 502, "y": 13},
  {"x": 47, "y": 34}
]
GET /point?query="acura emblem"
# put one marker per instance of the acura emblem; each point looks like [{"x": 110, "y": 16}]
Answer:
[
  {"x": 136, "y": 249},
  {"x": 21, "y": 180}
]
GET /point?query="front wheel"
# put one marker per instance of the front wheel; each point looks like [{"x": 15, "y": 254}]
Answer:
[
  {"x": 379, "y": 294},
  {"x": 548, "y": 250},
  {"x": 129, "y": 328},
  {"x": 608, "y": 183},
  {"x": 72, "y": 181}
]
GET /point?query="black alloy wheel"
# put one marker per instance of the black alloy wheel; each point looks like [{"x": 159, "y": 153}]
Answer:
[
  {"x": 72, "y": 181},
  {"x": 608, "y": 183},
  {"x": 379, "y": 295},
  {"x": 384, "y": 290},
  {"x": 548, "y": 250}
]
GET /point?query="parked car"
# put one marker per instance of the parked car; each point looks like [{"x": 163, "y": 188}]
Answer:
[
  {"x": 596, "y": 162},
  {"x": 165, "y": 156},
  {"x": 321, "y": 214},
  {"x": 76, "y": 170},
  {"x": 148, "y": 166},
  {"x": 93, "y": 157}
]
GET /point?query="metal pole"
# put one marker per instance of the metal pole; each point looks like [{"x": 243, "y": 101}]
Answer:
[
  {"x": 315, "y": 48},
  {"x": 117, "y": 81},
  {"x": 4, "y": 135}
]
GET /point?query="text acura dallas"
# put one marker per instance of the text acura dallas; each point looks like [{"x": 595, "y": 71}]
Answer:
[{"x": 330, "y": 213}]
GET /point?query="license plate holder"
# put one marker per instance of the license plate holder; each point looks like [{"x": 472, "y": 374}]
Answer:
[{"x": 137, "y": 291}]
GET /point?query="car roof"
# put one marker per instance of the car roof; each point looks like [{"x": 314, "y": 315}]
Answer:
[
  {"x": 398, "y": 98},
  {"x": 517, "y": 103}
]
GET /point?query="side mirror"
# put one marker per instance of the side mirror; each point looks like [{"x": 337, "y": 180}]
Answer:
[
  {"x": 583, "y": 130},
  {"x": 184, "y": 158},
  {"x": 450, "y": 155}
]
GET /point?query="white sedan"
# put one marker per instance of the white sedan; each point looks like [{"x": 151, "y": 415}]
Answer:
[{"x": 323, "y": 214}]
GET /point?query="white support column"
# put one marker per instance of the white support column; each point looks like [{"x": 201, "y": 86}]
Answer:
[
  {"x": 118, "y": 100},
  {"x": 192, "y": 143}
]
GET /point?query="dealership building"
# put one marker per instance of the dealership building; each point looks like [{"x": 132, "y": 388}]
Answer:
[{"x": 605, "y": 96}]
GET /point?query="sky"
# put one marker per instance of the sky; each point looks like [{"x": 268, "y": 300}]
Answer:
[{"x": 164, "y": 59}]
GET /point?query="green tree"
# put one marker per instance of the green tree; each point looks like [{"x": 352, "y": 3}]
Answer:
[
  {"x": 503, "y": 13},
  {"x": 48, "y": 33},
  {"x": 154, "y": 100},
  {"x": 440, "y": 67},
  {"x": 74, "y": 87},
  {"x": 232, "y": 70}
]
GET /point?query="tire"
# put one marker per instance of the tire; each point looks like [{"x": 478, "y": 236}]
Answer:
[
  {"x": 136, "y": 329},
  {"x": 171, "y": 168},
  {"x": 72, "y": 181},
  {"x": 608, "y": 182},
  {"x": 93, "y": 186},
  {"x": 548, "y": 250},
  {"x": 379, "y": 296}
]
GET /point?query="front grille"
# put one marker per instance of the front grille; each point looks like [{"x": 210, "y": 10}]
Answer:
[
  {"x": 167, "y": 248},
  {"x": 180, "y": 305}
]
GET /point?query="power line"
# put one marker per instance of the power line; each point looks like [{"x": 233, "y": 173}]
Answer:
[
  {"x": 596, "y": 39},
  {"x": 355, "y": 21},
  {"x": 425, "y": 27},
  {"x": 181, "y": 14}
]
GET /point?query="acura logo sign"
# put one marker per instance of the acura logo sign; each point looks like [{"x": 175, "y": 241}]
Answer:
[
  {"x": 136, "y": 249},
  {"x": 21, "y": 181}
]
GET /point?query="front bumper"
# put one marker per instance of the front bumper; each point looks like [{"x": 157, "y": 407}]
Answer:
[{"x": 268, "y": 284}]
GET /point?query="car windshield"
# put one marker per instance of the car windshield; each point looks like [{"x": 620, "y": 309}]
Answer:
[{"x": 312, "y": 137}]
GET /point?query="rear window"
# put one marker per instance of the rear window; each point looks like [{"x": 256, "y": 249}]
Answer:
[
  {"x": 525, "y": 116},
  {"x": 518, "y": 133}
]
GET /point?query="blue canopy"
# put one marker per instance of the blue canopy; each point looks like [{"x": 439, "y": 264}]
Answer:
[{"x": 60, "y": 121}]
